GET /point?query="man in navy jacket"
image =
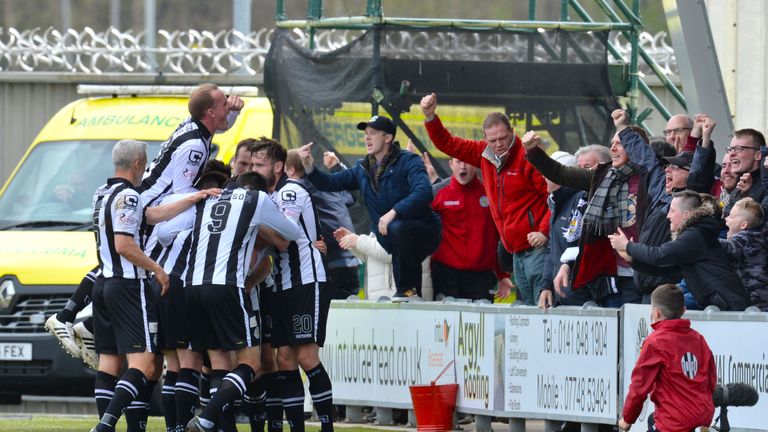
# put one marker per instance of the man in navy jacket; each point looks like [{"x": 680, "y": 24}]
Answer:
[{"x": 397, "y": 193}]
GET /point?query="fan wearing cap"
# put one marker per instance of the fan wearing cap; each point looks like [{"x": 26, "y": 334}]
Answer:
[
  {"x": 398, "y": 196},
  {"x": 676, "y": 172}
]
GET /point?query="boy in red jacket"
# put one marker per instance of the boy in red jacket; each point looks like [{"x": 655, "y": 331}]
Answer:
[{"x": 675, "y": 366}]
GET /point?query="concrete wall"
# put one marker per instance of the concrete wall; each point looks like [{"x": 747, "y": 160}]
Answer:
[{"x": 741, "y": 41}]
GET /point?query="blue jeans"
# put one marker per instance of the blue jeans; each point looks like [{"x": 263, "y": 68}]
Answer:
[{"x": 529, "y": 268}]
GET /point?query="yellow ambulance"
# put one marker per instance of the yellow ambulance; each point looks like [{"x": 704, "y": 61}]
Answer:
[{"x": 46, "y": 242}]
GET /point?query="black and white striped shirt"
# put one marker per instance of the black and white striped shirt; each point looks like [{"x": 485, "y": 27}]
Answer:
[
  {"x": 171, "y": 236},
  {"x": 117, "y": 210},
  {"x": 301, "y": 263},
  {"x": 179, "y": 164},
  {"x": 224, "y": 233}
]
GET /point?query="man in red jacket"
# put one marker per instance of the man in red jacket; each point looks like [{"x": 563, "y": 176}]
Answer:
[
  {"x": 675, "y": 366},
  {"x": 517, "y": 194},
  {"x": 465, "y": 265}
]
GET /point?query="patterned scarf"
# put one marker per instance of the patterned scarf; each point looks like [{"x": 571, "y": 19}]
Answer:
[
  {"x": 375, "y": 169},
  {"x": 607, "y": 209}
]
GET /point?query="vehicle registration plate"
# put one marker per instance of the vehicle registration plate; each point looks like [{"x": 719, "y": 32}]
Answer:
[{"x": 16, "y": 351}]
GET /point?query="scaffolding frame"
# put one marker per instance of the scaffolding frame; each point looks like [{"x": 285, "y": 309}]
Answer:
[{"x": 624, "y": 19}]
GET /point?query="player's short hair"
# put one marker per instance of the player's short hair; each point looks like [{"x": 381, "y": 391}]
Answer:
[
  {"x": 495, "y": 118},
  {"x": 211, "y": 179},
  {"x": 688, "y": 200},
  {"x": 603, "y": 152},
  {"x": 757, "y": 137},
  {"x": 127, "y": 151},
  {"x": 248, "y": 142},
  {"x": 752, "y": 210},
  {"x": 293, "y": 160},
  {"x": 215, "y": 175},
  {"x": 251, "y": 180},
  {"x": 217, "y": 166},
  {"x": 201, "y": 100},
  {"x": 272, "y": 149},
  {"x": 670, "y": 301}
]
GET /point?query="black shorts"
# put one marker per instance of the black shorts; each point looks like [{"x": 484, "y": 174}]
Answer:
[
  {"x": 221, "y": 318},
  {"x": 173, "y": 325},
  {"x": 300, "y": 314},
  {"x": 124, "y": 316},
  {"x": 266, "y": 296}
]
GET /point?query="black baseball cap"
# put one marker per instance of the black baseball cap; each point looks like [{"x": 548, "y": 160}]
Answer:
[
  {"x": 378, "y": 122},
  {"x": 682, "y": 160}
]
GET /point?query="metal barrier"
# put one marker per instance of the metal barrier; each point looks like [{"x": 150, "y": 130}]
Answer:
[{"x": 518, "y": 362}]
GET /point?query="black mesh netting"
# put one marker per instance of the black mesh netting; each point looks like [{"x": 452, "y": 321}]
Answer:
[{"x": 553, "y": 81}]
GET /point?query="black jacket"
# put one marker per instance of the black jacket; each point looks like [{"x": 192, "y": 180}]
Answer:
[
  {"x": 695, "y": 250},
  {"x": 562, "y": 205},
  {"x": 655, "y": 232}
]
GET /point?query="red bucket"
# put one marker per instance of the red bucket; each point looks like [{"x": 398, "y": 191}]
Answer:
[{"x": 434, "y": 406}]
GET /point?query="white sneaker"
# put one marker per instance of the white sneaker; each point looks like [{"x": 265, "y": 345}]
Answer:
[
  {"x": 84, "y": 340},
  {"x": 64, "y": 333}
]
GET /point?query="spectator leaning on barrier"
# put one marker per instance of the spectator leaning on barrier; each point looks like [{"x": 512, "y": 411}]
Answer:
[
  {"x": 747, "y": 245},
  {"x": 676, "y": 367},
  {"x": 379, "y": 278},
  {"x": 619, "y": 196},
  {"x": 655, "y": 229},
  {"x": 517, "y": 194},
  {"x": 465, "y": 265},
  {"x": 397, "y": 193},
  {"x": 694, "y": 248},
  {"x": 565, "y": 230},
  {"x": 588, "y": 157}
]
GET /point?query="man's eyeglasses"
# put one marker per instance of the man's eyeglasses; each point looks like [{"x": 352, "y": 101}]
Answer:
[
  {"x": 739, "y": 149},
  {"x": 675, "y": 130}
]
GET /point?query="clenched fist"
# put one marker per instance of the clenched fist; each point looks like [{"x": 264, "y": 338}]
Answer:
[{"x": 428, "y": 105}]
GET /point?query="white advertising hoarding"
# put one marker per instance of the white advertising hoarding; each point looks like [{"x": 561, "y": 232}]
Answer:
[
  {"x": 475, "y": 360},
  {"x": 374, "y": 354},
  {"x": 561, "y": 366},
  {"x": 737, "y": 341}
]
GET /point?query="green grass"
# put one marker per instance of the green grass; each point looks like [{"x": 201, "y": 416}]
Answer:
[{"x": 44, "y": 423}]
